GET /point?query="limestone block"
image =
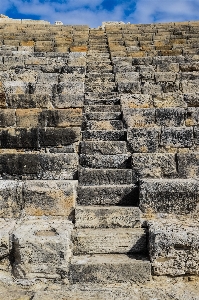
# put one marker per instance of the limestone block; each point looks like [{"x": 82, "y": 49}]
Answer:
[
  {"x": 136, "y": 101},
  {"x": 19, "y": 138},
  {"x": 153, "y": 165},
  {"x": 173, "y": 246},
  {"x": 188, "y": 165},
  {"x": 29, "y": 101},
  {"x": 51, "y": 136},
  {"x": 143, "y": 139},
  {"x": 27, "y": 117},
  {"x": 192, "y": 99},
  {"x": 129, "y": 87},
  {"x": 139, "y": 117},
  {"x": 192, "y": 116},
  {"x": 102, "y": 135},
  {"x": 15, "y": 87},
  {"x": 190, "y": 86},
  {"x": 2, "y": 96},
  {"x": 42, "y": 248},
  {"x": 103, "y": 147},
  {"x": 7, "y": 117},
  {"x": 189, "y": 67},
  {"x": 177, "y": 137},
  {"x": 65, "y": 100},
  {"x": 98, "y": 241},
  {"x": 165, "y": 76},
  {"x": 110, "y": 269},
  {"x": 104, "y": 176},
  {"x": 119, "y": 161},
  {"x": 51, "y": 198},
  {"x": 170, "y": 116},
  {"x": 107, "y": 217},
  {"x": 11, "y": 199},
  {"x": 107, "y": 195},
  {"x": 178, "y": 196},
  {"x": 132, "y": 76},
  {"x": 151, "y": 88},
  {"x": 52, "y": 118},
  {"x": 162, "y": 100}
]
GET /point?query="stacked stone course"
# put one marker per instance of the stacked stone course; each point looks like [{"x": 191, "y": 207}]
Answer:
[{"x": 98, "y": 152}]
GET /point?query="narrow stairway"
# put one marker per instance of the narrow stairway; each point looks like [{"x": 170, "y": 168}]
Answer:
[{"x": 109, "y": 244}]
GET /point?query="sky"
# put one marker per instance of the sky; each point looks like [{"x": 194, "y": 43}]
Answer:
[{"x": 94, "y": 12}]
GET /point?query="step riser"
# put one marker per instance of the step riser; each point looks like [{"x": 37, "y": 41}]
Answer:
[
  {"x": 102, "y": 108},
  {"x": 101, "y": 241},
  {"x": 102, "y": 147},
  {"x": 102, "y": 125},
  {"x": 105, "y": 161},
  {"x": 104, "y": 135},
  {"x": 107, "y": 195},
  {"x": 103, "y": 116},
  {"x": 107, "y": 217},
  {"x": 104, "y": 177}
]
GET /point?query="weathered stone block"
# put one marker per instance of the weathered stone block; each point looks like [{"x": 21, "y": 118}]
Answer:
[
  {"x": 19, "y": 138},
  {"x": 136, "y": 101},
  {"x": 179, "y": 196},
  {"x": 99, "y": 241},
  {"x": 51, "y": 136},
  {"x": 104, "y": 176},
  {"x": 173, "y": 247},
  {"x": 165, "y": 76},
  {"x": 129, "y": 87},
  {"x": 51, "y": 198},
  {"x": 108, "y": 195},
  {"x": 11, "y": 199},
  {"x": 119, "y": 161},
  {"x": 153, "y": 165},
  {"x": 103, "y": 147},
  {"x": 177, "y": 137},
  {"x": 107, "y": 217},
  {"x": 188, "y": 165},
  {"x": 192, "y": 116},
  {"x": 164, "y": 100},
  {"x": 42, "y": 248},
  {"x": 139, "y": 117},
  {"x": 102, "y": 135},
  {"x": 170, "y": 116},
  {"x": 143, "y": 139},
  {"x": 192, "y": 99},
  {"x": 7, "y": 117},
  {"x": 109, "y": 269}
]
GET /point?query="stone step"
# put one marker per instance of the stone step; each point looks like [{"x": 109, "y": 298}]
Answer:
[
  {"x": 108, "y": 195},
  {"x": 178, "y": 196},
  {"x": 89, "y": 177},
  {"x": 103, "y": 116},
  {"x": 103, "y": 125},
  {"x": 107, "y": 217},
  {"x": 109, "y": 240},
  {"x": 103, "y": 147},
  {"x": 109, "y": 268},
  {"x": 102, "y": 135},
  {"x": 118, "y": 161},
  {"x": 101, "y": 108}
]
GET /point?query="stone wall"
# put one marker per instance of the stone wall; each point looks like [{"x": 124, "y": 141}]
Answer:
[{"x": 98, "y": 155}]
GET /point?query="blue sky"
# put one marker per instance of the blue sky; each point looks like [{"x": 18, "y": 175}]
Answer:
[{"x": 94, "y": 12}]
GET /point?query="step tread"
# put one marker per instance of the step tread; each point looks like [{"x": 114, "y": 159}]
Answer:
[
  {"x": 103, "y": 147},
  {"x": 110, "y": 268}
]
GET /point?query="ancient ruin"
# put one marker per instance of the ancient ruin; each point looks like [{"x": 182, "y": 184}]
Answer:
[{"x": 99, "y": 161}]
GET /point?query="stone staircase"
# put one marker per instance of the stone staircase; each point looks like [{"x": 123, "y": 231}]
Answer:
[
  {"x": 109, "y": 244},
  {"x": 99, "y": 152}
]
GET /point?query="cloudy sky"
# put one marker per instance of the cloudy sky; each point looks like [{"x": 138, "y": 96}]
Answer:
[{"x": 93, "y": 12}]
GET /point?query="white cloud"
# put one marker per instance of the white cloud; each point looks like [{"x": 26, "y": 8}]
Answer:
[{"x": 94, "y": 12}]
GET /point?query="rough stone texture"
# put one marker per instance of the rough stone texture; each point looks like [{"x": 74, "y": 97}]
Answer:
[
  {"x": 42, "y": 248},
  {"x": 109, "y": 269},
  {"x": 108, "y": 195},
  {"x": 103, "y": 147},
  {"x": 153, "y": 165},
  {"x": 104, "y": 176},
  {"x": 179, "y": 196},
  {"x": 107, "y": 217},
  {"x": 143, "y": 139},
  {"x": 173, "y": 246},
  {"x": 119, "y": 161},
  {"x": 99, "y": 241},
  {"x": 51, "y": 198}
]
